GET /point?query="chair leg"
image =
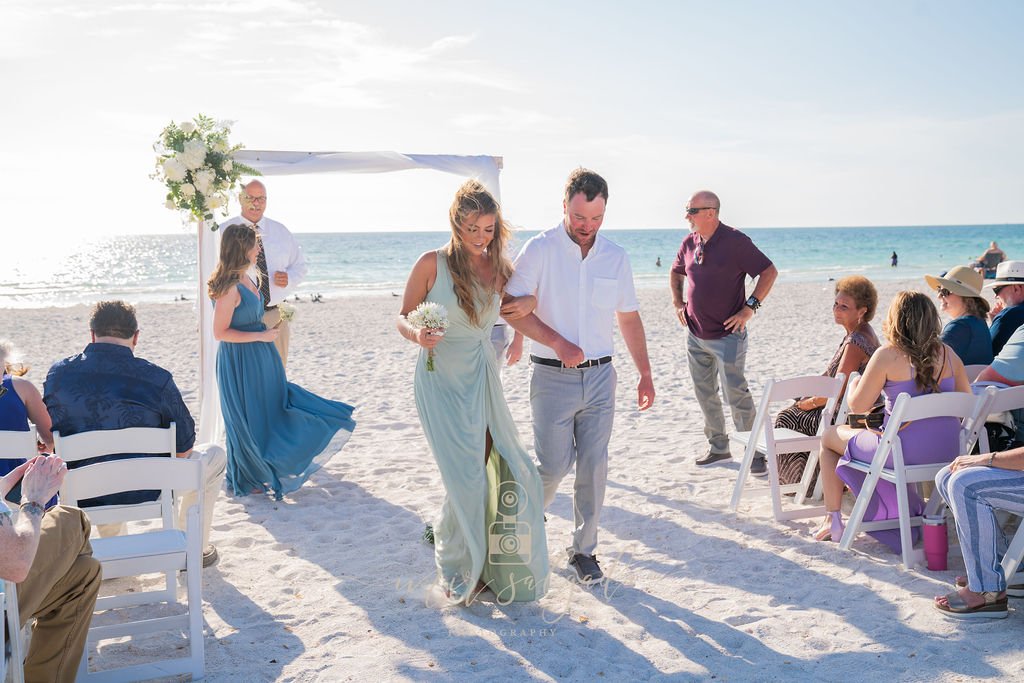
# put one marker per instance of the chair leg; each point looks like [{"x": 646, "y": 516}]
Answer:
[
  {"x": 17, "y": 673},
  {"x": 741, "y": 476},
  {"x": 859, "y": 508},
  {"x": 805, "y": 478},
  {"x": 903, "y": 506},
  {"x": 1014, "y": 555}
]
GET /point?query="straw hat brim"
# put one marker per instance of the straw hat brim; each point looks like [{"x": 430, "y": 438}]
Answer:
[{"x": 955, "y": 287}]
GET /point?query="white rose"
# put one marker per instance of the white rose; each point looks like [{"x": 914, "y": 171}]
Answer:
[
  {"x": 170, "y": 204},
  {"x": 215, "y": 202},
  {"x": 174, "y": 170},
  {"x": 188, "y": 190},
  {"x": 194, "y": 154},
  {"x": 187, "y": 127},
  {"x": 221, "y": 146},
  {"x": 203, "y": 179},
  {"x": 227, "y": 166}
]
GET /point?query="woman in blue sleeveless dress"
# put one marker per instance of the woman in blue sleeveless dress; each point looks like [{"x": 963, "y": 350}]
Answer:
[
  {"x": 20, "y": 404},
  {"x": 491, "y": 527},
  {"x": 913, "y": 360},
  {"x": 278, "y": 433}
]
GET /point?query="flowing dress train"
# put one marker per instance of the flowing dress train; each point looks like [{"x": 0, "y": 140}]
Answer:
[
  {"x": 278, "y": 433},
  {"x": 491, "y": 525}
]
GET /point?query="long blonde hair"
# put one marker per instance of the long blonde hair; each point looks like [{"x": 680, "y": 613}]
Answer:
[
  {"x": 912, "y": 326},
  {"x": 472, "y": 200},
  {"x": 235, "y": 244}
]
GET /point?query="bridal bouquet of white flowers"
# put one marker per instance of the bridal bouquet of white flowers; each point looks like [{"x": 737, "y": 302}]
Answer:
[
  {"x": 195, "y": 160},
  {"x": 432, "y": 316}
]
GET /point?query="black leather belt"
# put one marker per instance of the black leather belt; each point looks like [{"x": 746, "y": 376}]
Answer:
[{"x": 551, "y": 362}]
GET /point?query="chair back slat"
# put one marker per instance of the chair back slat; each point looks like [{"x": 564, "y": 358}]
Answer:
[
  {"x": 135, "y": 474},
  {"x": 1011, "y": 398},
  {"x": 18, "y": 444},
  {"x": 112, "y": 441},
  {"x": 973, "y": 371}
]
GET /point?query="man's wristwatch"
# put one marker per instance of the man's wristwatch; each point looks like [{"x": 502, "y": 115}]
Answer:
[{"x": 753, "y": 303}]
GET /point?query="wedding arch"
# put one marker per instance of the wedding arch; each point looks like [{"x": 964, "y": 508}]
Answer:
[{"x": 486, "y": 169}]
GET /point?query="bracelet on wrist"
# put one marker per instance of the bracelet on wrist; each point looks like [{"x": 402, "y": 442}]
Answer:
[
  {"x": 991, "y": 458},
  {"x": 33, "y": 508}
]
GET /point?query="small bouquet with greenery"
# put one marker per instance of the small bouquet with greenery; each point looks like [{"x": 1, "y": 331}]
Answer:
[
  {"x": 286, "y": 310},
  {"x": 432, "y": 316},
  {"x": 195, "y": 160}
]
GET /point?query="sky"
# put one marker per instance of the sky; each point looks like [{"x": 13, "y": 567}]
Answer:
[{"x": 796, "y": 113}]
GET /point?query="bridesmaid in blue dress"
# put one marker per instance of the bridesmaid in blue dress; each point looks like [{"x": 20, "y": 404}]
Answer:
[
  {"x": 491, "y": 529},
  {"x": 278, "y": 433}
]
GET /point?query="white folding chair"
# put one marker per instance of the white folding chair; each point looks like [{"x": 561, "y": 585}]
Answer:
[
  {"x": 14, "y": 654},
  {"x": 166, "y": 550},
  {"x": 772, "y": 441},
  {"x": 969, "y": 409},
  {"x": 973, "y": 371},
  {"x": 1005, "y": 400}
]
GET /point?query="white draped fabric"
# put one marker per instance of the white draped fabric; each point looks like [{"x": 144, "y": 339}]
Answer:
[{"x": 270, "y": 162}]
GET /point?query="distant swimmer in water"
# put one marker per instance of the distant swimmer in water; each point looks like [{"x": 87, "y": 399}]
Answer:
[
  {"x": 894, "y": 260},
  {"x": 658, "y": 262}
]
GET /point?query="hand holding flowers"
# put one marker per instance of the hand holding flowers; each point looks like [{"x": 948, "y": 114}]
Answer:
[{"x": 432, "y": 320}]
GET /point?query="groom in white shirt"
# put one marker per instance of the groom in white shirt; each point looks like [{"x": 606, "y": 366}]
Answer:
[
  {"x": 281, "y": 266},
  {"x": 584, "y": 285}
]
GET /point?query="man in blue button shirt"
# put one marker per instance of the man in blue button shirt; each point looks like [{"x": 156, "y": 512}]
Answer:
[{"x": 107, "y": 387}]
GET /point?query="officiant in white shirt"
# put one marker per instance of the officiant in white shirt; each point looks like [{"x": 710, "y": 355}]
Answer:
[{"x": 280, "y": 264}]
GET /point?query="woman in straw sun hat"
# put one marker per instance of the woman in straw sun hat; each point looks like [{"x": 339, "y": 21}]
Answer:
[{"x": 960, "y": 296}]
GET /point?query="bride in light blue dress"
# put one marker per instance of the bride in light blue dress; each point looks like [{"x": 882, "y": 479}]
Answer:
[
  {"x": 278, "y": 433},
  {"x": 491, "y": 527}
]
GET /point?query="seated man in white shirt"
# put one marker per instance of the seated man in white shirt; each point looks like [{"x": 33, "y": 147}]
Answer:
[{"x": 47, "y": 553}]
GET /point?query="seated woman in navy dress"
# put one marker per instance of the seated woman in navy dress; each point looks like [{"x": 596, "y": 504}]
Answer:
[{"x": 20, "y": 404}]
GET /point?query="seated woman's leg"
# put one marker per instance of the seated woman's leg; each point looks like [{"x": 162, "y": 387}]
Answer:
[{"x": 833, "y": 444}]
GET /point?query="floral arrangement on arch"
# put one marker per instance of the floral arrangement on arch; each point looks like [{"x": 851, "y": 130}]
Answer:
[{"x": 195, "y": 160}]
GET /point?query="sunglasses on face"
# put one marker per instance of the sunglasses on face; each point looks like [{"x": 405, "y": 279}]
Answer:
[
  {"x": 943, "y": 292},
  {"x": 696, "y": 210},
  {"x": 996, "y": 290}
]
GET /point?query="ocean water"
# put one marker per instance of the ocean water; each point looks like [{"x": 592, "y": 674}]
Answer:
[{"x": 161, "y": 268}]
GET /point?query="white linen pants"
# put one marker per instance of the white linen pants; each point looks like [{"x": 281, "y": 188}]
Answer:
[{"x": 573, "y": 410}]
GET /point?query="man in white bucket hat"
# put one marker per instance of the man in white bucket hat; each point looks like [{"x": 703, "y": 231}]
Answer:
[{"x": 1008, "y": 313}]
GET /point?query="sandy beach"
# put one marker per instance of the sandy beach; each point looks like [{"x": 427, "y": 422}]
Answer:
[{"x": 331, "y": 584}]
